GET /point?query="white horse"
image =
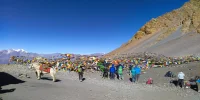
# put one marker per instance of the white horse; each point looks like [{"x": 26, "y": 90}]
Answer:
[{"x": 39, "y": 72}]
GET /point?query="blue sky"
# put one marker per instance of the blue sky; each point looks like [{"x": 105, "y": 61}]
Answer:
[{"x": 75, "y": 26}]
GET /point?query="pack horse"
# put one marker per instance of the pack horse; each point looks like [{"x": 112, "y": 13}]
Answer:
[{"x": 39, "y": 70}]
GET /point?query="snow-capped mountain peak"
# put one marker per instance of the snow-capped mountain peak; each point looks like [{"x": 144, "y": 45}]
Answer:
[
  {"x": 19, "y": 50},
  {"x": 16, "y": 50}
]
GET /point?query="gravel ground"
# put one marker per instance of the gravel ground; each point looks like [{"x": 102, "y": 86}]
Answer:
[{"x": 95, "y": 88}]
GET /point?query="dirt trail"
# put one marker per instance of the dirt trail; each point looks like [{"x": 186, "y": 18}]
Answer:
[{"x": 93, "y": 88}]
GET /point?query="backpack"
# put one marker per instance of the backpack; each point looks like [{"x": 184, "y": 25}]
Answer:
[
  {"x": 149, "y": 81},
  {"x": 170, "y": 74},
  {"x": 120, "y": 70},
  {"x": 137, "y": 69},
  {"x": 101, "y": 68},
  {"x": 79, "y": 69},
  {"x": 133, "y": 72},
  {"x": 198, "y": 81}
]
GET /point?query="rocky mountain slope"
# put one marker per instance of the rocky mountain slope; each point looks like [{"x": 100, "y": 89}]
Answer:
[{"x": 176, "y": 33}]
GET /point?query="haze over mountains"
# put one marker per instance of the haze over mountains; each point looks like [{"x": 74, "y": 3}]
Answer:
[
  {"x": 6, "y": 54},
  {"x": 176, "y": 33}
]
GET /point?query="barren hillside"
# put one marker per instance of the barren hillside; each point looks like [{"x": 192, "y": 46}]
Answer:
[{"x": 176, "y": 33}]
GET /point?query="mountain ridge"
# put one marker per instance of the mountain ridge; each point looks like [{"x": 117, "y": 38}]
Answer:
[{"x": 6, "y": 54}]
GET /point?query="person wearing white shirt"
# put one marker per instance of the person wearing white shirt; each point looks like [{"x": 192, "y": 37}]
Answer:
[{"x": 181, "y": 76}]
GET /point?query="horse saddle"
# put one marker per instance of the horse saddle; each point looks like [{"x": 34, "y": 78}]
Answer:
[{"x": 45, "y": 68}]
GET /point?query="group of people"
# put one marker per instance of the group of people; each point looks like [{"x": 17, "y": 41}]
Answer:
[
  {"x": 112, "y": 71},
  {"x": 116, "y": 71},
  {"x": 181, "y": 82}
]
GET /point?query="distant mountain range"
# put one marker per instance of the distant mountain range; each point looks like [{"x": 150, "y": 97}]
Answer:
[{"x": 6, "y": 54}]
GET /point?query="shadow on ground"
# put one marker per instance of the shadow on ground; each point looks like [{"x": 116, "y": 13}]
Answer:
[
  {"x": 49, "y": 79},
  {"x": 7, "y": 79},
  {"x": 7, "y": 90}
]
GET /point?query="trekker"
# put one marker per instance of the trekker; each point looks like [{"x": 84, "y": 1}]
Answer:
[
  {"x": 80, "y": 73},
  {"x": 102, "y": 69},
  {"x": 117, "y": 67},
  {"x": 133, "y": 74},
  {"x": 112, "y": 72},
  {"x": 181, "y": 76},
  {"x": 138, "y": 72},
  {"x": 198, "y": 84},
  {"x": 130, "y": 68},
  {"x": 120, "y": 72},
  {"x": 105, "y": 72}
]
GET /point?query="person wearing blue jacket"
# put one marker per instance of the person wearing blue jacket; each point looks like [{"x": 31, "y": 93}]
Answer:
[
  {"x": 137, "y": 72},
  {"x": 133, "y": 74},
  {"x": 198, "y": 84},
  {"x": 112, "y": 72}
]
